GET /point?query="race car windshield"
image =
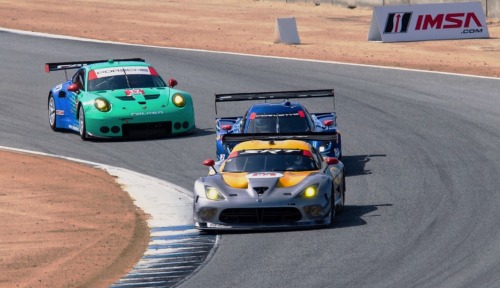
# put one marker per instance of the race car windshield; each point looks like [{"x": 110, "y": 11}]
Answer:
[
  {"x": 126, "y": 81},
  {"x": 268, "y": 160},
  {"x": 288, "y": 123}
]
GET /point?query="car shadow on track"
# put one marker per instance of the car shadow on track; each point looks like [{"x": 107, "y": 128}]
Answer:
[
  {"x": 353, "y": 215},
  {"x": 193, "y": 134},
  {"x": 355, "y": 164}
]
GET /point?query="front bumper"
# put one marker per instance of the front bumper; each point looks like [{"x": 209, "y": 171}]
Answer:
[
  {"x": 140, "y": 124},
  {"x": 252, "y": 216}
]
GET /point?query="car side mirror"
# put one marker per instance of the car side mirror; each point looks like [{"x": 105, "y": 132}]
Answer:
[
  {"x": 73, "y": 87},
  {"x": 328, "y": 122},
  {"x": 210, "y": 163},
  {"x": 332, "y": 161},
  {"x": 172, "y": 83},
  {"x": 226, "y": 127}
]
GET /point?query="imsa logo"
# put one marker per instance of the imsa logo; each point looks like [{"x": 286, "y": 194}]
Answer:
[
  {"x": 397, "y": 22},
  {"x": 447, "y": 21}
]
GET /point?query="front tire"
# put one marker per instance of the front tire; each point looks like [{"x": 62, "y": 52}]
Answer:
[
  {"x": 81, "y": 120},
  {"x": 52, "y": 112}
]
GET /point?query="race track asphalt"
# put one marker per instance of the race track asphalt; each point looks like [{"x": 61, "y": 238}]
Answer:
[{"x": 421, "y": 150}]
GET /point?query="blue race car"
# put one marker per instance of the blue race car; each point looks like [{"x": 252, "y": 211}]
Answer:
[{"x": 284, "y": 118}]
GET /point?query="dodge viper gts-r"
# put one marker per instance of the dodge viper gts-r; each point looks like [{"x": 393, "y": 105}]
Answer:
[{"x": 276, "y": 182}]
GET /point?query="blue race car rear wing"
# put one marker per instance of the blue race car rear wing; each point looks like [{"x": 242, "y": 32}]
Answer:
[
  {"x": 306, "y": 136},
  {"x": 77, "y": 64},
  {"x": 273, "y": 95}
]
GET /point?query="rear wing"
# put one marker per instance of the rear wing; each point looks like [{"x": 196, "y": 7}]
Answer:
[
  {"x": 49, "y": 67},
  {"x": 306, "y": 136},
  {"x": 273, "y": 95}
]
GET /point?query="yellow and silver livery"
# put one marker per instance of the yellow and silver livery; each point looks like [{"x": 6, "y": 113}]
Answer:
[{"x": 270, "y": 184}]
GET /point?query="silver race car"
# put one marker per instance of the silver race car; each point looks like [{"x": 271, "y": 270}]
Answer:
[{"x": 271, "y": 183}]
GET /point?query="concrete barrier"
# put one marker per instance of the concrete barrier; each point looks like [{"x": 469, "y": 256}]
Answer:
[{"x": 491, "y": 7}]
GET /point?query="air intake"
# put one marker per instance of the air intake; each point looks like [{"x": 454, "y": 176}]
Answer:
[{"x": 260, "y": 190}]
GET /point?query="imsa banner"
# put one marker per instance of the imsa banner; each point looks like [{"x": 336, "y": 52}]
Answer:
[{"x": 400, "y": 23}]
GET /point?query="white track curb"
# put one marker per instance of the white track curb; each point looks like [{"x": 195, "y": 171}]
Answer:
[{"x": 166, "y": 203}]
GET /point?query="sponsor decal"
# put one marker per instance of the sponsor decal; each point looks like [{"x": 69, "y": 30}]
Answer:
[
  {"x": 133, "y": 92},
  {"x": 397, "y": 22},
  {"x": 278, "y": 115},
  {"x": 69, "y": 66},
  {"x": 213, "y": 225},
  {"x": 73, "y": 127},
  {"x": 60, "y": 112},
  {"x": 147, "y": 113},
  {"x": 116, "y": 71},
  {"x": 447, "y": 21},
  {"x": 271, "y": 151},
  {"x": 263, "y": 175},
  {"x": 335, "y": 171},
  {"x": 437, "y": 21}
]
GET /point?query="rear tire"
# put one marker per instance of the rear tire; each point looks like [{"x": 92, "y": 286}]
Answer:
[
  {"x": 340, "y": 207},
  {"x": 52, "y": 112},
  {"x": 333, "y": 208},
  {"x": 81, "y": 120}
]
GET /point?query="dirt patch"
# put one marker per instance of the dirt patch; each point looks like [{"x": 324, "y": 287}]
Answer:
[
  {"x": 65, "y": 224},
  {"x": 327, "y": 32}
]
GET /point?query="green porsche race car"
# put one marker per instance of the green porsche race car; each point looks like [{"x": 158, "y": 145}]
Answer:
[{"x": 118, "y": 98}]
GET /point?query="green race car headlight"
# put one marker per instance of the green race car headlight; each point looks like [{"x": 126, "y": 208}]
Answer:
[
  {"x": 102, "y": 104},
  {"x": 213, "y": 194},
  {"x": 310, "y": 192},
  {"x": 179, "y": 100}
]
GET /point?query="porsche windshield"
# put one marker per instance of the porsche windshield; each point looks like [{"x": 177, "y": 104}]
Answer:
[
  {"x": 278, "y": 123},
  {"x": 270, "y": 160},
  {"x": 123, "y": 78}
]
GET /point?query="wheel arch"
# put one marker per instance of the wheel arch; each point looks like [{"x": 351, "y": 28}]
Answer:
[{"x": 77, "y": 114}]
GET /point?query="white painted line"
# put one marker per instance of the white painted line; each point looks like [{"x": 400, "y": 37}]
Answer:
[{"x": 47, "y": 35}]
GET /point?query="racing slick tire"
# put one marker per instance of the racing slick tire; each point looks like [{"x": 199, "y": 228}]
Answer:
[
  {"x": 52, "y": 112},
  {"x": 81, "y": 121},
  {"x": 333, "y": 208},
  {"x": 340, "y": 207}
]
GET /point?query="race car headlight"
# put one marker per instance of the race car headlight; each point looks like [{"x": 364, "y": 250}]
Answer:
[
  {"x": 213, "y": 194},
  {"x": 102, "y": 104},
  {"x": 179, "y": 100},
  {"x": 323, "y": 146},
  {"x": 310, "y": 192}
]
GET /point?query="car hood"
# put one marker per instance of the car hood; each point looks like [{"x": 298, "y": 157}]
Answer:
[
  {"x": 138, "y": 94},
  {"x": 265, "y": 179}
]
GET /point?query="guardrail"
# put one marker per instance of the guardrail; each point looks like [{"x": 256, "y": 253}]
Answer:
[{"x": 491, "y": 7}]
